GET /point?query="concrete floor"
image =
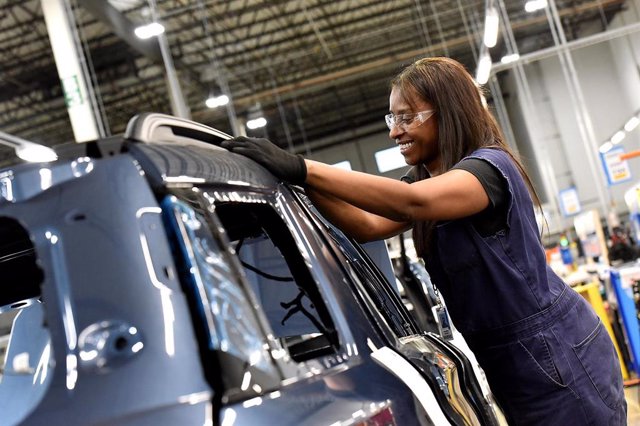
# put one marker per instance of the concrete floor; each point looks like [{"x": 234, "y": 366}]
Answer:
[{"x": 633, "y": 405}]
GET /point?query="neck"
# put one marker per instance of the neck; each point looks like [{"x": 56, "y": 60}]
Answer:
[{"x": 432, "y": 169}]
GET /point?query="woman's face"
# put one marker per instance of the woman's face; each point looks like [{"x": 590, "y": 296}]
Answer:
[{"x": 418, "y": 141}]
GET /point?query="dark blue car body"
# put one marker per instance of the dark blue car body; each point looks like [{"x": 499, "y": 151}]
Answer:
[{"x": 157, "y": 279}]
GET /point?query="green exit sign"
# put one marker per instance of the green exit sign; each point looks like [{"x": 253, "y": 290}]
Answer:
[{"x": 72, "y": 92}]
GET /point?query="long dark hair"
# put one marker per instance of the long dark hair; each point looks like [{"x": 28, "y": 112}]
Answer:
[{"x": 464, "y": 121}]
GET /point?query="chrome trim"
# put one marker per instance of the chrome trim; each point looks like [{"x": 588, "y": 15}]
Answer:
[{"x": 144, "y": 127}]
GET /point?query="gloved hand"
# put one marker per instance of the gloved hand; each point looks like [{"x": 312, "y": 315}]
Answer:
[{"x": 284, "y": 165}]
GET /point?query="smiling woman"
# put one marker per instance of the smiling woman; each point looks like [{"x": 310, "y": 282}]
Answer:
[
  {"x": 471, "y": 206},
  {"x": 414, "y": 132},
  {"x": 405, "y": 123}
]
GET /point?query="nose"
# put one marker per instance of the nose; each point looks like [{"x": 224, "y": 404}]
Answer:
[{"x": 395, "y": 132}]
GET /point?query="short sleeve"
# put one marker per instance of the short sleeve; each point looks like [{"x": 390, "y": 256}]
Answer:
[
  {"x": 494, "y": 217},
  {"x": 490, "y": 178},
  {"x": 410, "y": 176}
]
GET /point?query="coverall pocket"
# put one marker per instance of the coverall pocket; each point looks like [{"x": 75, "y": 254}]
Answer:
[
  {"x": 537, "y": 349},
  {"x": 597, "y": 355},
  {"x": 523, "y": 370}
]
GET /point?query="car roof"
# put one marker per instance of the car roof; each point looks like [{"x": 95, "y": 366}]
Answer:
[
  {"x": 179, "y": 150},
  {"x": 169, "y": 150},
  {"x": 166, "y": 164}
]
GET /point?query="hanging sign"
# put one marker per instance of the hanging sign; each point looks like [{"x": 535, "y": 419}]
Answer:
[
  {"x": 569, "y": 201},
  {"x": 617, "y": 170},
  {"x": 72, "y": 93}
]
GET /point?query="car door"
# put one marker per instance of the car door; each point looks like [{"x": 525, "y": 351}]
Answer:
[
  {"x": 103, "y": 332},
  {"x": 444, "y": 369},
  {"x": 280, "y": 346}
]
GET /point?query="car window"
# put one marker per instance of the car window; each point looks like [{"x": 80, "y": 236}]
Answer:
[
  {"x": 232, "y": 329},
  {"x": 378, "y": 289},
  {"x": 25, "y": 340},
  {"x": 280, "y": 279}
]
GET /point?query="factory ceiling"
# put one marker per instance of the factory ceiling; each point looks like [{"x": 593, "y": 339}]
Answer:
[{"x": 319, "y": 70}]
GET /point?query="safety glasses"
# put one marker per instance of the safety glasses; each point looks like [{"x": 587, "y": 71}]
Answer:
[{"x": 408, "y": 121}]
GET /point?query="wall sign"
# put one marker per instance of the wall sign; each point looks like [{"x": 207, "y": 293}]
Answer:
[
  {"x": 617, "y": 170},
  {"x": 569, "y": 201},
  {"x": 72, "y": 93}
]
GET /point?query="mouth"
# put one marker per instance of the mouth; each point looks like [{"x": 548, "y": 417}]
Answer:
[{"x": 404, "y": 146}]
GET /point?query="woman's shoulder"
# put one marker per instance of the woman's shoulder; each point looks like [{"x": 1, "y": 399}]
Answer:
[
  {"x": 491, "y": 152},
  {"x": 498, "y": 157}
]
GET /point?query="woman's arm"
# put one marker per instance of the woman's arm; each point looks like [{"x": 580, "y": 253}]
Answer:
[
  {"x": 355, "y": 222},
  {"x": 451, "y": 195}
]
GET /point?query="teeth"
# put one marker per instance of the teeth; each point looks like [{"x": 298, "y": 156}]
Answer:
[{"x": 404, "y": 146}]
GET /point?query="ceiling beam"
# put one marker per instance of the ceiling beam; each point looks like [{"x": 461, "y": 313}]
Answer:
[
  {"x": 360, "y": 70},
  {"x": 122, "y": 27}
]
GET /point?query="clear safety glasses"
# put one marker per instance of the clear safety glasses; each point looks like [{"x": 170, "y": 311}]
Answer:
[{"x": 408, "y": 121}]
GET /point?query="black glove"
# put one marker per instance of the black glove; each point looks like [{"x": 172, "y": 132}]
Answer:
[{"x": 288, "y": 167}]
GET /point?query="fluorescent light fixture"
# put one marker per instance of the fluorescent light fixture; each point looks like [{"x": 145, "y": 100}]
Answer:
[
  {"x": 150, "y": 30},
  {"x": 35, "y": 153},
  {"x": 484, "y": 68},
  {"x": 28, "y": 151},
  {"x": 389, "y": 159},
  {"x": 617, "y": 138},
  {"x": 256, "y": 123},
  {"x": 631, "y": 124},
  {"x": 345, "y": 165},
  {"x": 605, "y": 147},
  {"x": 491, "y": 21},
  {"x": 214, "y": 102},
  {"x": 507, "y": 59},
  {"x": 533, "y": 5}
]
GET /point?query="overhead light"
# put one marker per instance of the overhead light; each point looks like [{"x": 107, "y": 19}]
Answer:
[
  {"x": 216, "y": 101},
  {"x": 533, "y": 5},
  {"x": 491, "y": 22},
  {"x": 631, "y": 124},
  {"x": 605, "y": 147},
  {"x": 484, "y": 68},
  {"x": 256, "y": 123},
  {"x": 507, "y": 59},
  {"x": 28, "y": 151},
  {"x": 150, "y": 30},
  {"x": 618, "y": 136},
  {"x": 35, "y": 153},
  {"x": 255, "y": 117}
]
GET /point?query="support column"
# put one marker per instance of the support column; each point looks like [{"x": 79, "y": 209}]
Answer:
[
  {"x": 81, "y": 105},
  {"x": 531, "y": 118},
  {"x": 178, "y": 105},
  {"x": 585, "y": 125}
]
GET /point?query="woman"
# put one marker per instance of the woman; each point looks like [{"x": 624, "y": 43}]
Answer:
[{"x": 546, "y": 355}]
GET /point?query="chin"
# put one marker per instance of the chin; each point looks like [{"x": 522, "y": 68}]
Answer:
[{"x": 410, "y": 161}]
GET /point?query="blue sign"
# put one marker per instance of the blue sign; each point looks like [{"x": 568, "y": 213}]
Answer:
[{"x": 616, "y": 169}]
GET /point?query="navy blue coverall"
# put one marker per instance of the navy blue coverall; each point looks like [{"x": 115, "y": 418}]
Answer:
[{"x": 547, "y": 356}]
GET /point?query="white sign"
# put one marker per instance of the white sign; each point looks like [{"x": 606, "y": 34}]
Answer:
[
  {"x": 569, "y": 201},
  {"x": 617, "y": 170}
]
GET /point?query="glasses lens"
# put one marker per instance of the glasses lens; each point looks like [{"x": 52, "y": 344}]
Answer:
[
  {"x": 407, "y": 121},
  {"x": 389, "y": 120},
  {"x": 418, "y": 119}
]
